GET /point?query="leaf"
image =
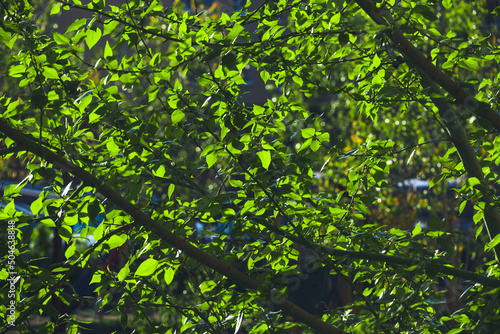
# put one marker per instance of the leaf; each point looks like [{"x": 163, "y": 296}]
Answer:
[
  {"x": 375, "y": 61},
  {"x": 169, "y": 275},
  {"x": 315, "y": 145},
  {"x": 56, "y": 8},
  {"x": 124, "y": 320},
  {"x": 93, "y": 36},
  {"x": 171, "y": 189},
  {"x": 265, "y": 158},
  {"x": 228, "y": 61},
  {"x": 435, "y": 223},
  {"x": 37, "y": 205},
  {"x": 447, "y": 4},
  {"x": 426, "y": 12},
  {"x": 160, "y": 171},
  {"x": 147, "y": 268},
  {"x": 324, "y": 137},
  {"x": 177, "y": 116},
  {"x": 493, "y": 243},
  {"x": 462, "y": 207},
  {"x": 116, "y": 241},
  {"x": 96, "y": 278},
  {"x": 211, "y": 159},
  {"x": 307, "y": 133},
  {"x": 207, "y": 286},
  {"x": 343, "y": 39},
  {"x": 214, "y": 52},
  {"x": 265, "y": 76},
  {"x": 4, "y": 36},
  {"x": 11, "y": 189},
  {"x": 298, "y": 80},
  {"x": 336, "y": 212},
  {"x": 123, "y": 273},
  {"x": 39, "y": 99},
  {"x": 50, "y": 73},
  {"x": 335, "y": 19},
  {"x": 235, "y": 31},
  {"x": 417, "y": 229},
  {"x": 70, "y": 251},
  {"x": 407, "y": 29},
  {"x": 470, "y": 64},
  {"x": 108, "y": 52},
  {"x": 77, "y": 24},
  {"x": 473, "y": 181}
]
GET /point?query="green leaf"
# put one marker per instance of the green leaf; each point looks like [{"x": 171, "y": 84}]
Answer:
[
  {"x": 211, "y": 159},
  {"x": 228, "y": 61},
  {"x": 307, "y": 133},
  {"x": 124, "y": 320},
  {"x": 61, "y": 39},
  {"x": 436, "y": 223},
  {"x": 7, "y": 38},
  {"x": 11, "y": 189},
  {"x": 469, "y": 64},
  {"x": 462, "y": 207},
  {"x": 375, "y": 61},
  {"x": 447, "y": 4},
  {"x": 343, "y": 39},
  {"x": 56, "y": 8},
  {"x": 147, "y": 268},
  {"x": 473, "y": 181},
  {"x": 123, "y": 273},
  {"x": 50, "y": 73},
  {"x": 305, "y": 145},
  {"x": 77, "y": 24},
  {"x": 265, "y": 76},
  {"x": 335, "y": 19},
  {"x": 337, "y": 211},
  {"x": 169, "y": 275},
  {"x": 37, "y": 205},
  {"x": 177, "y": 116},
  {"x": 265, "y": 158},
  {"x": 171, "y": 189},
  {"x": 108, "y": 52},
  {"x": 315, "y": 145},
  {"x": 324, "y": 137},
  {"x": 235, "y": 31},
  {"x": 116, "y": 241},
  {"x": 160, "y": 171},
  {"x": 298, "y": 80},
  {"x": 110, "y": 26},
  {"x": 93, "y": 36},
  {"x": 70, "y": 251},
  {"x": 207, "y": 286},
  {"x": 96, "y": 278},
  {"x": 426, "y": 12},
  {"x": 493, "y": 243},
  {"x": 213, "y": 53},
  {"x": 417, "y": 230}
]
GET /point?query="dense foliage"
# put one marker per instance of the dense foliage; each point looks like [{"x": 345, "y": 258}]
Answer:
[{"x": 149, "y": 127}]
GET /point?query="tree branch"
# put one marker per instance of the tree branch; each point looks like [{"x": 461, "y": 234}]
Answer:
[
  {"x": 383, "y": 17},
  {"x": 199, "y": 255},
  {"x": 459, "y": 138}
]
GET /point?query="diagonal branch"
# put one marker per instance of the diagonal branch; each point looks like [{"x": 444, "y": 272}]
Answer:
[
  {"x": 383, "y": 17},
  {"x": 139, "y": 216},
  {"x": 458, "y": 137}
]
